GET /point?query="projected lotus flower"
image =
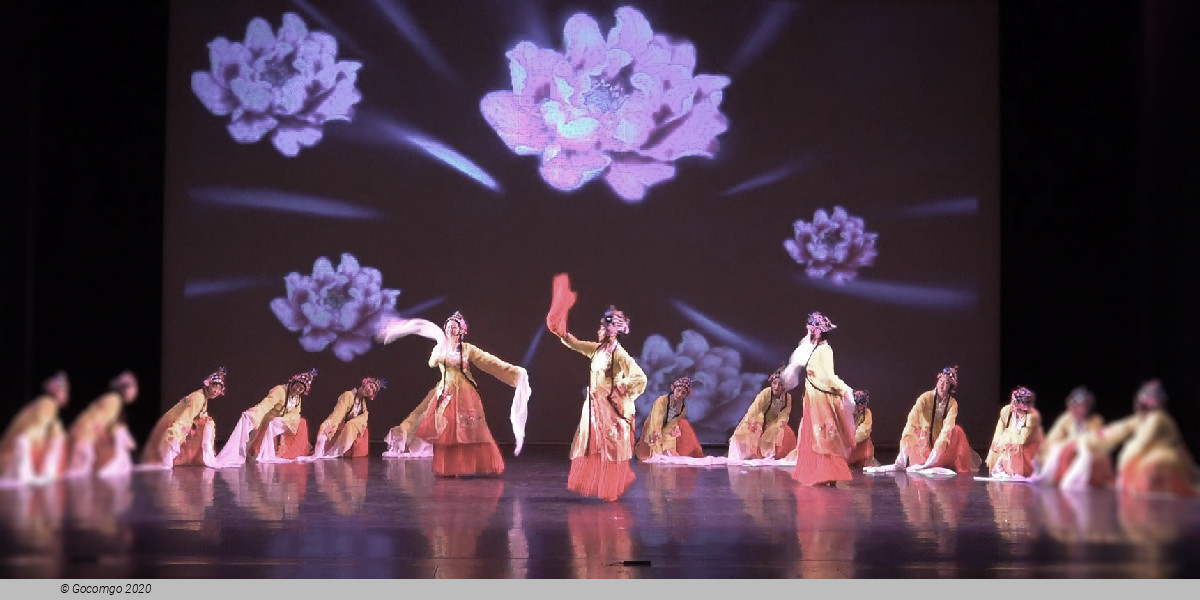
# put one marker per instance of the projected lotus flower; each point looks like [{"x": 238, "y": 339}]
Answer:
[
  {"x": 289, "y": 83},
  {"x": 721, "y": 392},
  {"x": 834, "y": 246},
  {"x": 343, "y": 307},
  {"x": 625, "y": 107}
]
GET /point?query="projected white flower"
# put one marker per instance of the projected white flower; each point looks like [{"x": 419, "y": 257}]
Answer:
[
  {"x": 289, "y": 83},
  {"x": 625, "y": 107},
  {"x": 344, "y": 307},
  {"x": 834, "y": 246},
  {"x": 721, "y": 392}
]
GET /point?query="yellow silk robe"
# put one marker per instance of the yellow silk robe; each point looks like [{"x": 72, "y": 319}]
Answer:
[
  {"x": 1150, "y": 436},
  {"x": 758, "y": 431},
  {"x": 97, "y": 418},
  {"x": 1067, "y": 428},
  {"x": 275, "y": 405},
  {"x": 832, "y": 428},
  {"x": 353, "y": 427},
  {"x": 608, "y": 417},
  {"x": 38, "y": 421},
  {"x": 1010, "y": 437},
  {"x": 922, "y": 427},
  {"x": 470, "y": 425},
  {"x": 655, "y": 433},
  {"x": 174, "y": 425},
  {"x": 862, "y": 426}
]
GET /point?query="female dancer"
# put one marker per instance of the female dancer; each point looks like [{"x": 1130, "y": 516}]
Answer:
[
  {"x": 764, "y": 431},
  {"x": 931, "y": 437},
  {"x": 1018, "y": 437},
  {"x": 667, "y": 431},
  {"x": 184, "y": 435},
  {"x": 827, "y": 425},
  {"x": 603, "y": 443}
]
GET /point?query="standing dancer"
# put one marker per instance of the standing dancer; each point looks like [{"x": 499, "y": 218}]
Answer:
[
  {"x": 603, "y": 443},
  {"x": 764, "y": 432},
  {"x": 345, "y": 431},
  {"x": 932, "y": 437},
  {"x": 453, "y": 420},
  {"x": 667, "y": 431},
  {"x": 100, "y": 441},
  {"x": 827, "y": 423},
  {"x": 32, "y": 449},
  {"x": 184, "y": 435}
]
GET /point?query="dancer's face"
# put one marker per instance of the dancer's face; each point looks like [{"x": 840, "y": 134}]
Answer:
[
  {"x": 368, "y": 391},
  {"x": 453, "y": 329},
  {"x": 943, "y": 385},
  {"x": 679, "y": 393},
  {"x": 60, "y": 392},
  {"x": 1079, "y": 411},
  {"x": 606, "y": 331},
  {"x": 777, "y": 386},
  {"x": 814, "y": 333},
  {"x": 214, "y": 390},
  {"x": 296, "y": 389},
  {"x": 129, "y": 393}
]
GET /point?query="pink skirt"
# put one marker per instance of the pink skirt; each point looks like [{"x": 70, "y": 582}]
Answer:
[
  {"x": 592, "y": 475},
  {"x": 687, "y": 444},
  {"x": 788, "y": 444},
  {"x": 1102, "y": 468},
  {"x": 813, "y": 468},
  {"x": 191, "y": 450},
  {"x": 862, "y": 454},
  {"x": 452, "y": 458}
]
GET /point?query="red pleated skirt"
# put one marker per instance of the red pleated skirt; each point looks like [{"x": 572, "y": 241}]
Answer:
[
  {"x": 452, "y": 458},
  {"x": 812, "y": 467}
]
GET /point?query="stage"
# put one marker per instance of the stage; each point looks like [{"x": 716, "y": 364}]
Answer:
[{"x": 390, "y": 518}]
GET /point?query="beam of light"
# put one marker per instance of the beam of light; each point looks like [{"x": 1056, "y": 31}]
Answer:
[
  {"x": 277, "y": 201},
  {"x": 789, "y": 168},
  {"x": 381, "y": 130},
  {"x": 743, "y": 343},
  {"x": 407, "y": 26},
  {"x": 533, "y": 346},
  {"x": 931, "y": 297},
  {"x": 773, "y": 20},
  {"x": 327, "y": 25},
  {"x": 211, "y": 287},
  {"x": 416, "y": 310},
  {"x": 940, "y": 208}
]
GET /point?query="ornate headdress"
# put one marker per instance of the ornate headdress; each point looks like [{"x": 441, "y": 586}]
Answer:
[
  {"x": 684, "y": 382},
  {"x": 950, "y": 373},
  {"x": 821, "y": 322},
  {"x": 776, "y": 374},
  {"x": 305, "y": 379},
  {"x": 217, "y": 376},
  {"x": 1081, "y": 396},
  {"x": 617, "y": 318},
  {"x": 55, "y": 380},
  {"x": 376, "y": 382},
  {"x": 862, "y": 397},
  {"x": 1024, "y": 395},
  {"x": 122, "y": 381},
  {"x": 462, "y": 321},
  {"x": 1152, "y": 389}
]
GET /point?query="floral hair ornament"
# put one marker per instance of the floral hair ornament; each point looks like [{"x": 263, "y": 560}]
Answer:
[
  {"x": 821, "y": 322},
  {"x": 950, "y": 373},
  {"x": 1152, "y": 389},
  {"x": 777, "y": 374},
  {"x": 305, "y": 379},
  {"x": 374, "y": 382},
  {"x": 1023, "y": 396},
  {"x": 460, "y": 319},
  {"x": 122, "y": 381},
  {"x": 862, "y": 397},
  {"x": 1081, "y": 396},
  {"x": 616, "y": 318},
  {"x": 684, "y": 382},
  {"x": 216, "y": 377}
]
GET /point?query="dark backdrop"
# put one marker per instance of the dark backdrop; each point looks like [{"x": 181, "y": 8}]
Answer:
[{"x": 1098, "y": 134}]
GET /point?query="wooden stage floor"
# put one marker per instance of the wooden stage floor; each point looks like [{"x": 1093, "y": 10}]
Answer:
[{"x": 387, "y": 518}]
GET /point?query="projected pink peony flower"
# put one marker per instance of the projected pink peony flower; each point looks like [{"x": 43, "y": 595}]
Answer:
[
  {"x": 625, "y": 107},
  {"x": 721, "y": 392},
  {"x": 343, "y": 307},
  {"x": 834, "y": 246},
  {"x": 289, "y": 82}
]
